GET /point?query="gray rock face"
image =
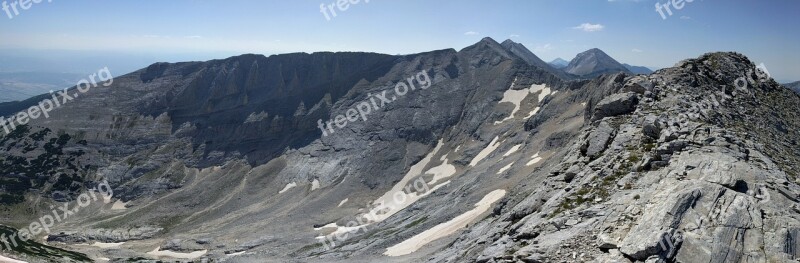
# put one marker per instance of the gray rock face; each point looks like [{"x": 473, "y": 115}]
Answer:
[
  {"x": 614, "y": 105},
  {"x": 683, "y": 180},
  {"x": 599, "y": 140}
]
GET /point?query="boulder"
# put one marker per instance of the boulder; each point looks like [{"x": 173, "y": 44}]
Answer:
[
  {"x": 598, "y": 140},
  {"x": 615, "y": 105}
]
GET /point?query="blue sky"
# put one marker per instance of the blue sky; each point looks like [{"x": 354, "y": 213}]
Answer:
[{"x": 136, "y": 33}]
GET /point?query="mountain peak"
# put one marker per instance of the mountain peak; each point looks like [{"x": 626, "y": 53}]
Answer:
[
  {"x": 530, "y": 58},
  {"x": 559, "y": 63},
  {"x": 508, "y": 42},
  {"x": 489, "y": 40},
  {"x": 594, "y": 62}
]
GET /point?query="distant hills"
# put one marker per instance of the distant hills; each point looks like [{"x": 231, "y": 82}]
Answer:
[
  {"x": 595, "y": 62},
  {"x": 793, "y": 86},
  {"x": 559, "y": 63},
  {"x": 637, "y": 69},
  {"x": 20, "y": 86},
  {"x": 588, "y": 64}
]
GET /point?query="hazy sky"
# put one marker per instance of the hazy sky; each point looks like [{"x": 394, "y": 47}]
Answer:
[{"x": 631, "y": 31}]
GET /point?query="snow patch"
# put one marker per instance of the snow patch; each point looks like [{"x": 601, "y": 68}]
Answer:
[
  {"x": 331, "y": 225},
  {"x": 536, "y": 110},
  {"x": 512, "y": 150},
  {"x": 517, "y": 96},
  {"x": 119, "y": 205},
  {"x": 166, "y": 253},
  {"x": 343, "y": 201},
  {"x": 315, "y": 185},
  {"x": 10, "y": 260},
  {"x": 339, "y": 229},
  {"x": 534, "y": 160},
  {"x": 388, "y": 197},
  {"x": 486, "y": 151},
  {"x": 505, "y": 168},
  {"x": 106, "y": 245},
  {"x": 545, "y": 91},
  {"x": 447, "y": 228},
  {"x": 288, "y": 186},
  {"x": 443, "y": 171}
]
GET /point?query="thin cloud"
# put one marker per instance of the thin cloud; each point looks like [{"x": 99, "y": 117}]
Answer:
[
  {"x": 543, "y": 48},
  {"x": 470, "y": 33},
  {"x": 588, "y": 27},
  {"x": 513, "y": 36},
  {"x": 636, "y": 50}
]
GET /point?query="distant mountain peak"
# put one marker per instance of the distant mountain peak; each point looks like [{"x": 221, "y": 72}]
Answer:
[
  {"x": 795, "y": 86},
  {"x": 489, "y": 40},
  {"x": 637, "y": 69},
  {"x": 559, "y": 63},
  {"x": 529, "y": 57},
  {"x": 594, "y": 62},
  {"x": 508, "y": 42}
]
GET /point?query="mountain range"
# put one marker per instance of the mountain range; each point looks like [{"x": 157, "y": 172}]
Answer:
[
  {"x": 637, "y": 69},
  {"x": 489, "y": 154},
  {"x": 595, "y": 62},
  {"x": 794, "y": 86}
]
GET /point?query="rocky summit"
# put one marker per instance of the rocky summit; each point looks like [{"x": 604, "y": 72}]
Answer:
[{"x": 501, "y": 158}]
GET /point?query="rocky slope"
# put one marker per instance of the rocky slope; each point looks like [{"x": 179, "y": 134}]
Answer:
[
  {"x": 491, "y": 159},
  {"x": 678, "y": 166}
]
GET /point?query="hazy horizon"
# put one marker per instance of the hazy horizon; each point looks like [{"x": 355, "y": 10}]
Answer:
[{"x": 631, "y": 31}]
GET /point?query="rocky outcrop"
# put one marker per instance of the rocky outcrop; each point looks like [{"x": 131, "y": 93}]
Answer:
[
  {"x": 671, "y": 176},
  {"x": 615, "y": 105}
]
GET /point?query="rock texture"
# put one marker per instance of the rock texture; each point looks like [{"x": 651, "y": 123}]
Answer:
[{"x": 684, "y": 178}]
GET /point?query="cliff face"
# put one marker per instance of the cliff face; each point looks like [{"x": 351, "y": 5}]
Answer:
[{"x": 494, "y": 160}]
